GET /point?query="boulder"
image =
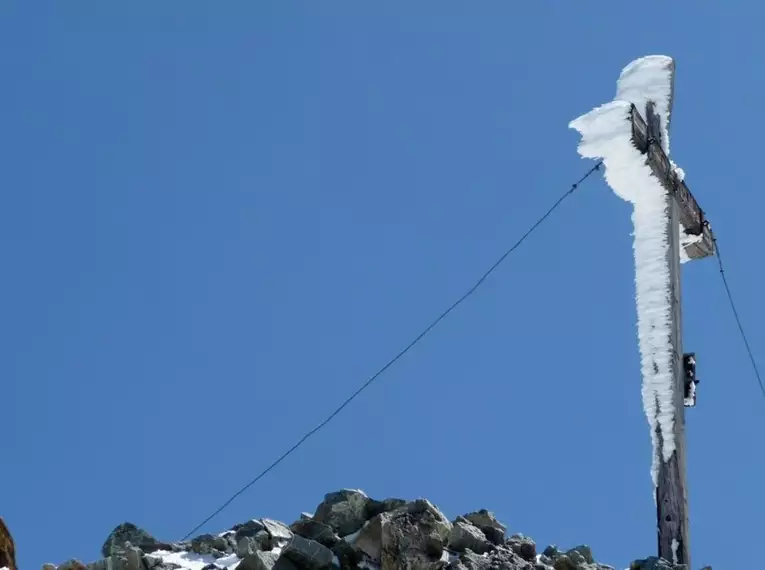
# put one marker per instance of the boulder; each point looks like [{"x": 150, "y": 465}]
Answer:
[
  {"x": 127, "y": 532},
  {"x": 413, "y": 537},
  {"x": 523, "y": 546},
  {"x": 278, "y": 531},
  {"x": 653, "y": 563},
  {"x": 466, "y": 536},
  {"x": 134, "y": 559},
  {"x": 250, "y": 528},
  {"x": 489, "y": 525},
  {"x": 375, "y": 508},
  {"x": 211, "y": 544},
  {"x": 581, "y": 552},
  {"x": 345, "y": 511},
  {"x": 369, "y": 539},
  {"x": 307, "y": 554},
  {"x": 469, "y": 560},
  {"x": 564, "y": 562},
  {"x": 315, "y": 530}
]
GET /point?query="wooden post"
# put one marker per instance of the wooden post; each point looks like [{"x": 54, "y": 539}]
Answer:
[
  {"x": 641, "y": 80},
  {"x": 671, "y": 490},
  {"x": 671, "y": 494}
]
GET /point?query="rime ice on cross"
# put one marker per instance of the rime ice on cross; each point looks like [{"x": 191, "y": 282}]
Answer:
[{"x": 631, "y": 135}]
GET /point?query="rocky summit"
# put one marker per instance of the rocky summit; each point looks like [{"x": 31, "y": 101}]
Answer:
[{"x": 349, "y": 531}]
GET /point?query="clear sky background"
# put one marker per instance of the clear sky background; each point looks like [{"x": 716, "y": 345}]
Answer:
[{"x": 217, "y": 219}]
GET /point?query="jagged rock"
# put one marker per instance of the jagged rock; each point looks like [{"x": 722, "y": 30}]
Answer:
[
  {"x": 489, "y": 525},
  {"x": 499, "y": 559},
  {"x": 551, "y": 552},
  {"x": 375, "y": 508},
  {"x": 506, "y": 558},
  {"x": 369, "y": 539},
  {"x": 346, "y": 555},
  {"x": 265, "y": 561},
  {"x": 352, "y": 531},
  {"x": 111, "y": 563},
  {"x": 315, "y": 530},
  {"x": 127, "y": 532},
  {"x": 211, "y": 544},
  {"x": 152, "y": 563},
  {"x": 469, "y": 560},
  {"x": 413, "y": 537},
  {"x": 307, "y": 554},
  {"x": 345, "y": 511},
  {"x": 247, "y": 545},
  {"x": 564, "y": 562},
  {"x": 278, "y": 531},
  {"x": 72, "y": 564},
  {"x": 523, "y": 546},
  {"x": 466, "y": 536},
  {"x": 134, "y": 557},
  {"x": 582, "y": 550},
  {"x": 250, "y": 528},
  {"x": 654, "y": 563},
  {"x": 48, "y": 566}
]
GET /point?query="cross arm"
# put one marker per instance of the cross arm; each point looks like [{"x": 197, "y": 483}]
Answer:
[{"x": 691, "y": 214}]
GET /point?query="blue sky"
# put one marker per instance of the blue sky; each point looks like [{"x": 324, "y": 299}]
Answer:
[{"x": 218, "y": 219}]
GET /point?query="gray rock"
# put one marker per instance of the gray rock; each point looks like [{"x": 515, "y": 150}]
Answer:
[
  {"x": 278, "y": 531},
  {"x": 471, "y": 561},
  {"x": 576, "y": 557},
  {"x": 375, "y": 508},
  {"x": 499, "y": 559},
  {"x": 652, "y": 563},
  {"x": 466, "y": 536},
  {"x": 127, "y": 532},
  {"x": 72, "y": 564},
  {"x": 265, "y": 561},
  {"x": 523, "y": 547},
  {"x": 551, "y": 552},
  {"x": 134, "y": 557},
  {"x": 584, "y": 551},
  {"x": 307, "y": 554},
  {"x": 250, "y": 528},
  {"x": 506, "y": 558},
  {"x": 564, "y": 562},
  {"x": 211, "y": 544},
  {"x": 247, "y": 545},
  {"x": 369, "y": 539},
  {"x": 413, "y": 537},
  {"x": 345, "y": 511},
  {"x": 489, "y": 525},
  {"x": 250, "y": 544},
  {"x": 315, "y": 530},
  {"x": 546, "y": 560},
  {"x": 346, "y": 555},
  {"x": 155, "y": 563},
  {"x": 48, "y": 566}
]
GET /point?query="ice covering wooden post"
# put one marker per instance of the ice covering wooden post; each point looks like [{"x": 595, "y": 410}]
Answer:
[
  {"x": 631, "y": 136},
  {"x": 671, "y": 491},
  {"x": 684, "y": 215}
]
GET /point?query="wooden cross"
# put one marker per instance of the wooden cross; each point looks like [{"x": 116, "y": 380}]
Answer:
[{"x": 684, "y": 213}]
